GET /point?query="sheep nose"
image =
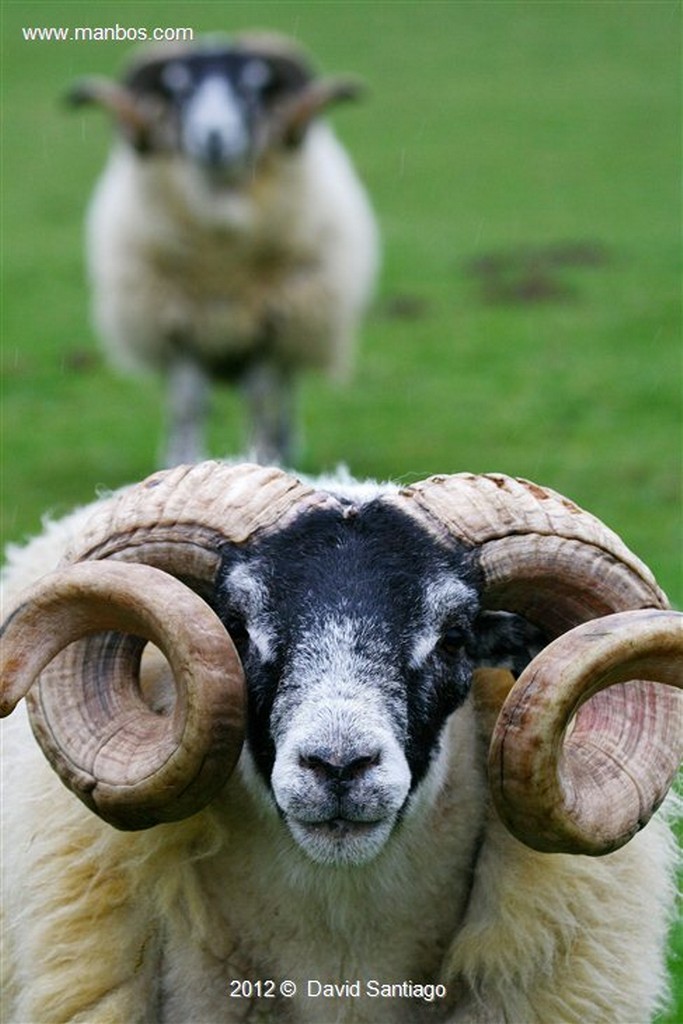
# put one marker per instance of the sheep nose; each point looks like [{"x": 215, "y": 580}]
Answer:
[
  {"x": 221, "y": 149},
  {"x": 214, "y": 147},
  {"x": 337, "y": 771}
]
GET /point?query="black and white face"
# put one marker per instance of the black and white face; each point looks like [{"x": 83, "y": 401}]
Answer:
[
  {"x": 358, "y": 635},
  {"x": 217, "y": 103}
]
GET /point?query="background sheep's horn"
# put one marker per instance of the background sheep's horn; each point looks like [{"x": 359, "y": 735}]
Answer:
[
  {"x": 133, "y": 766},
  {"x": 596, "y": 786},
  {"x": 118, "y": 101},
  {"x": 316, "y": 97},
  {"x": 543, "y": 557}
]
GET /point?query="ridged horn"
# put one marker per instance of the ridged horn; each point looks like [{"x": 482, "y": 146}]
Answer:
[
  {"x": 597, "y": 783},
  {"x": 179, "y": 519},
  {"x": 133, "y": 766},
  {"x": 545, "y": 558}
]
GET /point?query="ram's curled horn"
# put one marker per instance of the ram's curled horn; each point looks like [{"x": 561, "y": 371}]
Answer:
[
  {"x": 598, "y": 783},
  {"x": 179, "y": 519},
  {"x": 135, "y": 121},
  {"x": 297, "y": 113},
  {"x": 588, "y": 788},
  {"x": 130, "y": 764}
]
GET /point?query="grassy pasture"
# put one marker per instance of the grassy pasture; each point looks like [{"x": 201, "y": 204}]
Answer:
[{"x": 524, "y": 162}]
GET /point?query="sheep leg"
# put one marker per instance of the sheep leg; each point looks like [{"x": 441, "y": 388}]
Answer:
[
  {"x": 269, "y": 393},
  {"x": 187, "y": 410}
]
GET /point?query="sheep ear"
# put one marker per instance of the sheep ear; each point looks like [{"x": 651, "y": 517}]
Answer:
[
  {"x": 504, "y": 640},
  {"x": 312, "y": 101}
]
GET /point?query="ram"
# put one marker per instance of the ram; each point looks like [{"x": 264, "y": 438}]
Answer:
[
  {"x": 308, "y": 825},
  {"x": 229, "y": 237}
]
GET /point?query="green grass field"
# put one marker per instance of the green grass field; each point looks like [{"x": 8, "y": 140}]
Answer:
[{"x": 524, "y": 162}]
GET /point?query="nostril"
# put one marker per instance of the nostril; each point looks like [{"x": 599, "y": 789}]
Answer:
[
  {"x": 313, "y": 763},
  {"x": 360, "y": 765},
  {"x": 329, "y": 767}
]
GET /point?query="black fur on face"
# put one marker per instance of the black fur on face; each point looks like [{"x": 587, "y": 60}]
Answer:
[
  {"x": 366, "y": 592},
  {"x": 213, "y": 104},
  {"x": 253, "y": 75}
]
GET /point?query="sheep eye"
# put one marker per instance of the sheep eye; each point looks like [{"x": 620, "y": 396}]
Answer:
[
  {"x": 451, "y": 642},
  {"x": 176, "y": 77},
  {"x": 256, "y": 75}
]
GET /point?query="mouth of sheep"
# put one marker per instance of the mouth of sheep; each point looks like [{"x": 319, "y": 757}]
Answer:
[
  {"x": 338, "y": 841},
  {"x": 220, "y": 179},
  {"x": 228, "y": 174},
  {"x": 339, "y": 828}
]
